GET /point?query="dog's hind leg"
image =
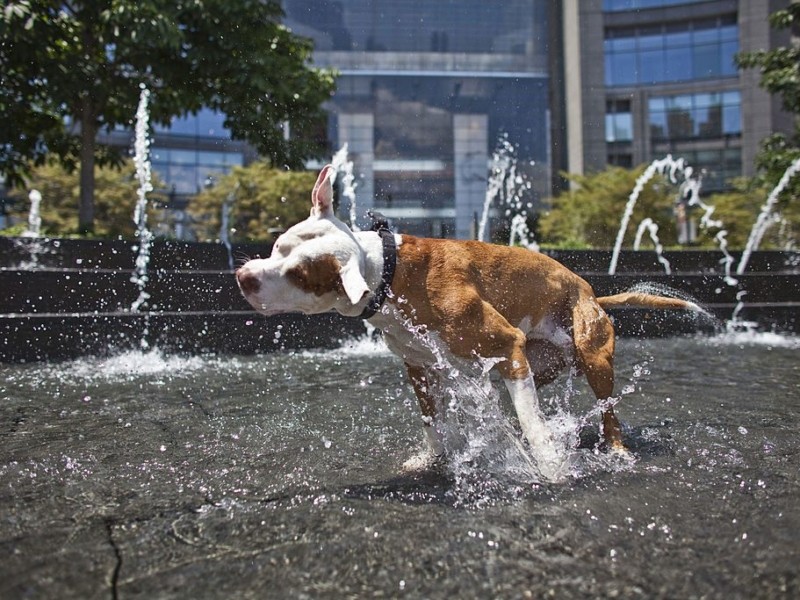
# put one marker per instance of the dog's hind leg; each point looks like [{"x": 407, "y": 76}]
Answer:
[
  {"x": 423, "y": 388},
  {"x": 593, "y": 334}
]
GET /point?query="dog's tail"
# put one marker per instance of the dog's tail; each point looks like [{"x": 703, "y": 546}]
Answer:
[{"x": 643, "y": 300}]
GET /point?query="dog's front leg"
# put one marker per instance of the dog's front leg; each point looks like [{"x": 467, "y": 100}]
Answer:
[
  {"x": 518, "y": 377},
  {"x": 526, "y": 403},
  {"x": 421, "y": 382}
]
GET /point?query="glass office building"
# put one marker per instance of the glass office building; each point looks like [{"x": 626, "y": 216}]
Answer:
[
  {"x": 672, "y": 85},
  {"x": 426, "y": 90}
]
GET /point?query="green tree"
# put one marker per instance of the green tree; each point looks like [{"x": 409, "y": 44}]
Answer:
[
  {"x": 71, "y": 69},
  {"x": 588, "y": 216},
  {"x": 780, "y": 74},
  {"x": 738, "y": 209},
  {"x": 263, "y": 201},
  {"x": 115, "y": 197}
]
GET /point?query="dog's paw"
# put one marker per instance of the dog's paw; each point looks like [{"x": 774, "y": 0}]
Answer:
[
  {"x": 621, "y": 452},
  {"x": 423, "y": 461}
]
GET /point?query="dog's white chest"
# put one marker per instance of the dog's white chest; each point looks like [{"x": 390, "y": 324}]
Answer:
[{"x": 417, "y": 348}]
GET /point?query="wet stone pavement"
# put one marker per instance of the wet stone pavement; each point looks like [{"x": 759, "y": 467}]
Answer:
[{"x": 153, "y": 476}]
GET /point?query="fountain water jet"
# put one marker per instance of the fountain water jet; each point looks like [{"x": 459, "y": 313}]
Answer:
[
  {"x": 762, "y": 222},
  {"x": 225, "y": 227},
  {"x": 141, "y": 160},
  {"x": 692, "y": 191},
  {"x": 666, "y": 166},
  {"x": 507, "y": 186},
  {"x": 342, "y": 167},
  {"x": 650, "y": 226},
  {"x": 34, "y": 217}
]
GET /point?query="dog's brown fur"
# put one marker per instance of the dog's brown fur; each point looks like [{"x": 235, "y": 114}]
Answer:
[{"x": 472, "y": 293}]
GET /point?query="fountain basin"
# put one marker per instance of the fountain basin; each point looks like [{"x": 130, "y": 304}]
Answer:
[{"x": 143, "y": 475}]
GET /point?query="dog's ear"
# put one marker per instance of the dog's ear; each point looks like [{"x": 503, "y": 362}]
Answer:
[
  {"x": 353, "y": 283},
  {"x": 326, "y": 274},
  {"x": 322, "y": 195}
]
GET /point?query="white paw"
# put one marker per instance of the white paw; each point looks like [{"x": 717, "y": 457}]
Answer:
[
  {"x": 551, "y": 461},
  {"x": 622, "y": 453}
]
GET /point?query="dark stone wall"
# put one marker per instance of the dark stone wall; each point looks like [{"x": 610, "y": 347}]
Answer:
[{"x": 66, "y": 298}]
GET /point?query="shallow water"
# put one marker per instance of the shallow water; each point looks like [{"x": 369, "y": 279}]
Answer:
[{"x": 151, "y": 476}]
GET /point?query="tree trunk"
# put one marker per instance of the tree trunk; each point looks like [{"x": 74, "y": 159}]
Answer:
[{"x": 88, "y": 133}]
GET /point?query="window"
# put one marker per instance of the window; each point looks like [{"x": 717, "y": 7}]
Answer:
[
  {"x": 206, "y": 123},
  {"x": 188, "y": 170},
  {"x": 619, "y": 5},
  {"x": 621, "y": 159},
  {"x": 692, "y": 50},
  {"x": 619, "y": 121},
  {"x": 695, "y": 116}
]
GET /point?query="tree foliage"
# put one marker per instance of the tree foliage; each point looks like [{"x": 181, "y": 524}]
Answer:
[
  {"x": 71, "y": 69},
  {"x": 780, "y": 75},
  {"x": 589, "y": 214},
  {"x": 263, "y": 201},
  {"x": 779, "y": 67},
  {"x": 115, "y": 198},
  {"x": 739, "y": 208}
]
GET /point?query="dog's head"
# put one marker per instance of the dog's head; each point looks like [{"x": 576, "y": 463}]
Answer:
[{"x": 315, "y": 266}]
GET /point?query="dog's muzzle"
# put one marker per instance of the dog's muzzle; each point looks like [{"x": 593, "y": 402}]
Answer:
[{"x": 248, "y": 282}]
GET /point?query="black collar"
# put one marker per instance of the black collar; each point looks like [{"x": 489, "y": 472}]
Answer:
[{"x": 389, "y": 265}]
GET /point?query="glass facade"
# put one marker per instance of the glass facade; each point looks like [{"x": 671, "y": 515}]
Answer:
[
  {"x": 206, "y": 123},
  {"x": 621, "y": 5},
  {"x": 187, "y": 171},
  {"x": 444, "y": 26},
  {"x": 671, "y": 85},
  {"x": 190, "y": 159},
  {"x": 425, "y": 91},
  {"x": 671, "y": 52},
  {"x": 695, "y": 116}
]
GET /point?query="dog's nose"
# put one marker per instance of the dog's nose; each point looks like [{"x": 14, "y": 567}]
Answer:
[{"x": 248, "y": 282}]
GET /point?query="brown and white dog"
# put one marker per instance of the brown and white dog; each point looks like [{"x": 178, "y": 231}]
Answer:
[{"x": 478, "y": 299}]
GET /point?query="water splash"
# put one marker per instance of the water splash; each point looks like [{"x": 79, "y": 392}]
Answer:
[
  {"x": 132, "y": 364},
  {"x": 521, "y": 234},
  {"x": 342, "y": 167},
  {"x": 141, "y": 160},
  {"x": 650, "y": 226},
  {"x": 507, "y": 187},
  {"x": 478, "y": 437},
  {"x": 739, "y": 338},
  {"x": 667, "y": 167},
  {"x": 763, "y": 221}
]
